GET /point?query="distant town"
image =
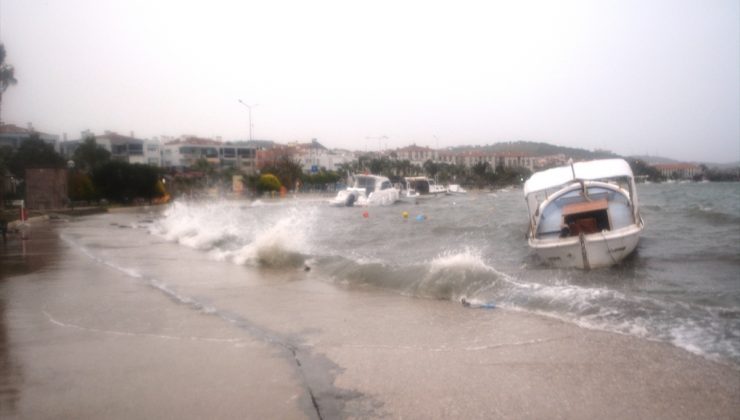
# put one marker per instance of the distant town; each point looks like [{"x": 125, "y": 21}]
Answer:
[{"x": 195, "y": 165}]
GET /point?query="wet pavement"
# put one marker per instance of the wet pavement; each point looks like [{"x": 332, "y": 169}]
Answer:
[{"x": 82, "y": 336}]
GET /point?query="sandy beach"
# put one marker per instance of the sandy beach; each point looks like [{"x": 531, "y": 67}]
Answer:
[{"x": 80, "y": 338}]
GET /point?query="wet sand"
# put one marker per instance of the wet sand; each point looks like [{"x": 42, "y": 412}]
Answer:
[{"x": 79, "y": 339}]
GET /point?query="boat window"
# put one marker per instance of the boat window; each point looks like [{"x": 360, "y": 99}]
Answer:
[
  {"x": 365, "y": 182},
  {"x": 385, "y": 185}
]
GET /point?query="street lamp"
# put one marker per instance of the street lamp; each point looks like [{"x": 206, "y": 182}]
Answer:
[{"x": 250, "y": 116}]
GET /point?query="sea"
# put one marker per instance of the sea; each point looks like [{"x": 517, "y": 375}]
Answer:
[{"x": 681, "y": 286}]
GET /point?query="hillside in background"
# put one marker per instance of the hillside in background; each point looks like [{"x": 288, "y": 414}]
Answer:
[
  {"x": 546, "y": 149},
  {"x": 653, "y": 159},
  {"x": 539, "y": 149}
]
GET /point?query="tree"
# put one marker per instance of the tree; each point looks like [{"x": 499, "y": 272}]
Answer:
[
  {"x": 89, "y": 155},
  {"x": 34, "y": 153},
  {"x": 7, "y": 76},
  {"x": 641, "y": 168},
  {"x": 268, "y": 182},
  {"x": 286, "y": 170},
  {"x": 80, "y": 186},
  {"x": 431, "y": 168},
  {"x": 123, "y": 182},
  {"x": 6, "y": 152}
]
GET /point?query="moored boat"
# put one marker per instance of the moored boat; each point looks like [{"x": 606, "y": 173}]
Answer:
[
  {"x": 421, "y": 186},
  {"x": 367, "y": 190},
  {"x": 456, "y": 189},
  {"x": 585, "y": 215}
]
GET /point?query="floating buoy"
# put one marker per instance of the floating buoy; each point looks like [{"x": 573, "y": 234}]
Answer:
[
  {"x": 365, "y": 214},
  {"x": 405, "y": 214}
]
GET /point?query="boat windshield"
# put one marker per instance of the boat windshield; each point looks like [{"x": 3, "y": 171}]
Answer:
[{"x": 366, "y": 182}]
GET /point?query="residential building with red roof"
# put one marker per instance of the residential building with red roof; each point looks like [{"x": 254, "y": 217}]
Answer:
[{"x": 13, "y": 136}]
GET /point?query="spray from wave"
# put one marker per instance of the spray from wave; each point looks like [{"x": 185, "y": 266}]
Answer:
[{"x": 235, "y": 232}]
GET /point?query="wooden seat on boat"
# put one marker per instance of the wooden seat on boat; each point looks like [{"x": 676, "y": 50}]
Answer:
[{"x": 586, "y": 217}]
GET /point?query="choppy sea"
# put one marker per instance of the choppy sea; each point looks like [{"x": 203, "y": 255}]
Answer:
[{"x": 681, "y": 286}]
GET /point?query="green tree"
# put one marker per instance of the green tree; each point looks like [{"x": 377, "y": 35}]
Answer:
[
  {"x": 287, "y": 170},
  {"x": 6, "y": 153},
  {"x": 641, "y": 168},
  {"x": 431, "y": 168},
  {"x": 7, "y": 76},
  {"x": 89, "y": 155},
  {"x": 34, "y": 153},
  {"x": 80, "y": 186},
  {"x": 123, "y": 182},
  {"x": 268, "y": 182}
]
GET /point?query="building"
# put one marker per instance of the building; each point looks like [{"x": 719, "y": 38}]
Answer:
[
  {"x": 417, "y": 155},
  {"x": 314, "y": 157},
  {"x": 123, "y": 148},
  {"x": 188, "y": 150},
  {"x": 678, "y": 170},
  {"x": 13, "y": 136},
  {"x": 475, "y": 157},
  {"x": 510, "y": 160}
]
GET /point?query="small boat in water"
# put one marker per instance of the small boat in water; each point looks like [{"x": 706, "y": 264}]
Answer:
[
  {"x": 584, "y": 215},
  {"x": 367, "y": 190},
  {"x": 421, "y": 186},
  {"x": 456, "y": 189}
]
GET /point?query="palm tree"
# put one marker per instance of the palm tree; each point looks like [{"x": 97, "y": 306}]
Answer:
[{"x": 7, "y": 76}]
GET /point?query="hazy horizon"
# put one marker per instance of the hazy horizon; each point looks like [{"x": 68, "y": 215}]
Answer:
[{"x": 659, "y": 78}]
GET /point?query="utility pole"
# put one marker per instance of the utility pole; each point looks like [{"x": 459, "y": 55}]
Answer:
[
  {"x": 379, "y": 140},
  {"x": 250, "y": 117}
]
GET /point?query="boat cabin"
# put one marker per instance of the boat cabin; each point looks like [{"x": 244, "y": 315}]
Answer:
[
  {"x": 371, "y": 183},
  {"x": 418, "y": 184},
  {"x": 586, "y": 217}
]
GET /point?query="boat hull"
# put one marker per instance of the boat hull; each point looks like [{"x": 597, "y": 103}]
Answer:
[
  {"x": 596, "y": 250},
  {"x": 356, "y": 197}
]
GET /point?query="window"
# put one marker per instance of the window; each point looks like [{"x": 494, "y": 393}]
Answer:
[{"x": 246, "y": 153}]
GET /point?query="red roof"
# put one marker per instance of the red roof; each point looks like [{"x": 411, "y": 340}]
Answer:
[
  {"x": 14, "y": 129},
  {"x": 414, "y": 148}
]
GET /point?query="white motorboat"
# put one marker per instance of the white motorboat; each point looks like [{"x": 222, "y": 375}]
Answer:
[
  {"x": 421, "y": 186},
  {"x": 367, "y": 190},
  {"x": 456, "y": 189},
  {"x": 584, "y": 215}
]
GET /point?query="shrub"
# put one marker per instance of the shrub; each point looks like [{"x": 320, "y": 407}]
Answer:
[{"x": 268, "y": 182}]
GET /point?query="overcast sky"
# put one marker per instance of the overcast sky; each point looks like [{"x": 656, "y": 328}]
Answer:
[{"x": 635, "y": 77}]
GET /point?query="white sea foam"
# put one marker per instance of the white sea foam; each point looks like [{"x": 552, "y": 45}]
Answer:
[
  {"x": 469, "y": 259},
  {"x": 233, "y": 232}
]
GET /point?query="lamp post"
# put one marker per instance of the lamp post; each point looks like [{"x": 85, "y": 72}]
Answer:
[{"x": 250, "y": 116}]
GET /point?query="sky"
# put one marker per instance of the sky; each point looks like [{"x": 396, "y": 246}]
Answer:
[{"x": 647, "y": 77}]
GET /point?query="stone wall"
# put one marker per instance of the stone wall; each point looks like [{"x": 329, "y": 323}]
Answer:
[{"x": 46, "y": 188}]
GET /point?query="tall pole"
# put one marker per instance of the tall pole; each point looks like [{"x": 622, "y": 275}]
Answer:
[{"x": 249, "y": 107}]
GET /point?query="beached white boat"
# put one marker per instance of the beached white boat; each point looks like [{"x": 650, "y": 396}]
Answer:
[
  {"x": 367, "y": 190},
  {"x": 584, "y": 215},
  {"x": 421, "y": 186}
]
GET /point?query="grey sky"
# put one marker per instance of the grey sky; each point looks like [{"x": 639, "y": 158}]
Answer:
[{"x": 634, "y": 77}]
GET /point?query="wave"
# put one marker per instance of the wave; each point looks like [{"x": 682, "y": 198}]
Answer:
[
  {"x": 710, "y": 214},
  {"x": 378, "y": 255},
  {"x": 233, "y": 231}
]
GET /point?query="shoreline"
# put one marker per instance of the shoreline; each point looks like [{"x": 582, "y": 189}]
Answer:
[{"x": 82, "y": 340}]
